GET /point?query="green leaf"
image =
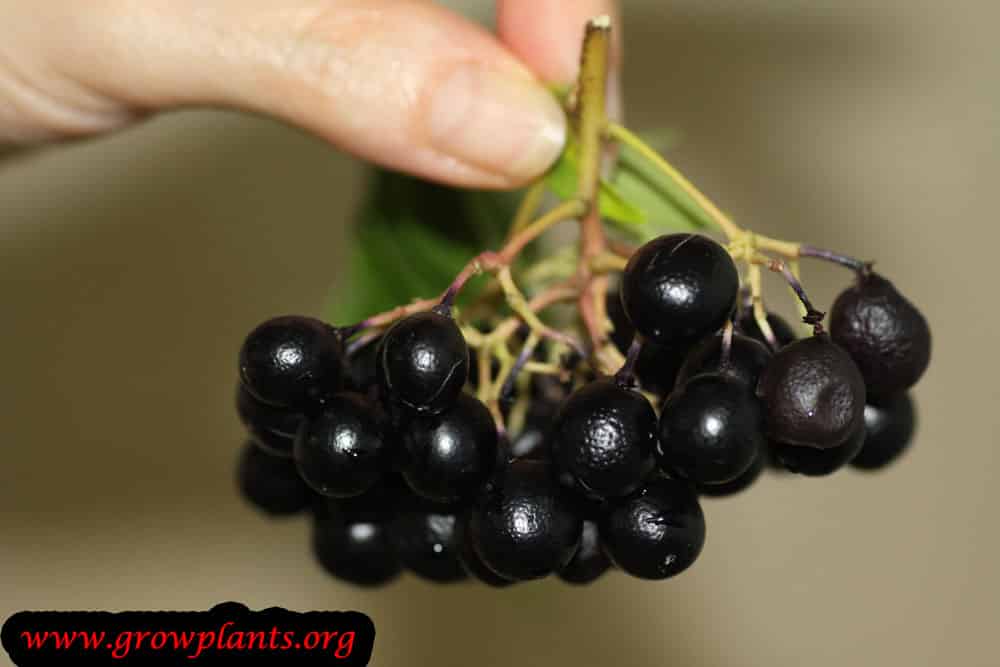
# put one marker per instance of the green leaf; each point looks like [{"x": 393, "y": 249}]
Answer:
[
  {"x": 359, "y": 292},
  {"x": 619, "y": 210},
  {"x": 410, "y": 240},
  {"x": 563, "y": 179},
  {"x": 666, "y": 206}
]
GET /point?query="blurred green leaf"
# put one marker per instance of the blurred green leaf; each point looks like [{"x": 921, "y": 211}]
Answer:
[
  {"x": 619, "y": 210},
  {"x": 667, "y": 207},
  {"x": 563, "y": 179},
  {"x": 410, "y": 239}
]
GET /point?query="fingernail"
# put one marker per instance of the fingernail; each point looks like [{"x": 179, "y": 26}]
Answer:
[{"x": 505, "y": 124}]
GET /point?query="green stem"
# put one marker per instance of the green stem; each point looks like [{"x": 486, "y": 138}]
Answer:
[
  {"x": 591, "y": 120},
  {"x": 591, "y": 116},
  {"x": 625, "y": 136},
  {"x": 567, "y": 210},
  {"x": 528, "y": 207}
]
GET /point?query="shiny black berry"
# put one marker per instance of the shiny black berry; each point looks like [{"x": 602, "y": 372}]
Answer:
[
  {"x": 813, "y": 394},
  {"x": 525, "y": 525},
  {"x": 656, "y": 532},
  {"x": 746, "y": 361},
  {"x": 589, "y": 562},
  {"x": 814, "y": 462},
  {"x": 711, "y": 430},
  {"x": 423, "y": 362},
  {"x": 271, "y": 484},
  {"x": 884, "y": 333},
  {"x": 741, "y": 483},
  {"x": 658, "y": 365},
  {"x": 358, "y": 552},
  {"x": 292, "y": 361},
  {"x": 889, "y": 425},
  {"x": 746, "y": 323},
  {"x": 471, "y": 561},
  {"x": 426, "y": 541},
  {"x": 344, "y": 450},
  {"x": 603, "y": 437},
  {"x": 679, "y": 288},
  {"x": 448, "y": 457},
  {"x": 271, "y": 428}
]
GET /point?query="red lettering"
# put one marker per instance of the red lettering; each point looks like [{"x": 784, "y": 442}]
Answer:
[
  {"x": 203, "y": 644},
  {"x": 183, "y": 640},
  {"x": 345, "y": 645},
  {"x": 139, "y": 636},
  {"x": 122, "y": 645},
  {"x": 222, "y": 632}
]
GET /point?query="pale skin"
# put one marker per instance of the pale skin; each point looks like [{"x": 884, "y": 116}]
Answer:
[{"x": 406, "y": 84}]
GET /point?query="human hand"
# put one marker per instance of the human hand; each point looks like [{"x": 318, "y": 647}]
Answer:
[{"x": 403, "y": 83}]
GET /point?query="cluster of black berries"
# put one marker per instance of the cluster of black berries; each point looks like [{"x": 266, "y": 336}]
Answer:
[{"x": 403, "y": 467}]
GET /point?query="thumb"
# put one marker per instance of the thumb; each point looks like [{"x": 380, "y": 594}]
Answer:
[{"x": 399, "y": 82}]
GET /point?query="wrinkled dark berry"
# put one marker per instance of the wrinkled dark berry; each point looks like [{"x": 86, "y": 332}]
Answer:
[
  {"x": 813, "y": 394},
  {"x": 884, "y": 333}
]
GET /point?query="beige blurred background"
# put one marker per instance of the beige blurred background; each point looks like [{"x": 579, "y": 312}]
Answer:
[{"x": 130, "y": 269}]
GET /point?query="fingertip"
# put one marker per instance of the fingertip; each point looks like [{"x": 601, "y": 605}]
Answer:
[{"x": 507, "y": 125}]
